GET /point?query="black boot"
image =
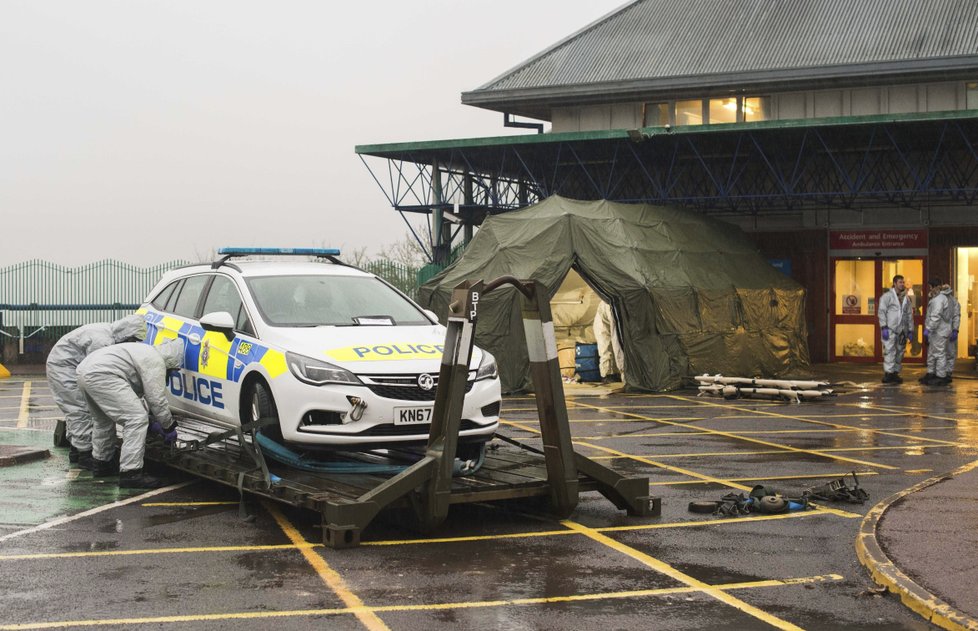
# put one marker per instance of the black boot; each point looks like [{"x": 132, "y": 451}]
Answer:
[
  {"x": 73, "y": 453},
  {"x": 85, "y": 460},
  {"x": 106, "y": 468},
  {"x": 927, "y": 379},
  {"x": 896, "y": 377},
  {"x": 136, "y": 479},
  {"x": 940, "y": 381},
  {"x": 887, "y": 377}
]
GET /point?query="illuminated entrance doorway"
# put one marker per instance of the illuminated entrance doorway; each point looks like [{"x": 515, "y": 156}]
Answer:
[
  {"x": 966, "y": 291},
  {"x": 857, "y": 286}
]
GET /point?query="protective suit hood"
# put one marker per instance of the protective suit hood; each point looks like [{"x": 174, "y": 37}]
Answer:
[
  {"x": 129, "y": 328},
  {"x": 172, "y": 353}
]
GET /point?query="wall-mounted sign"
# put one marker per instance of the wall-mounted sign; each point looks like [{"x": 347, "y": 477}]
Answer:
[
  {"x": 850, "y": 305},
  {"x": 878, "y": 240}
]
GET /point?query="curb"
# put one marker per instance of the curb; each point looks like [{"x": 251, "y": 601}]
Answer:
[{"x": 888, "y": 575}]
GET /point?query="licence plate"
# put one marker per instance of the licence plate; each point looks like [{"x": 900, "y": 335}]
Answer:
[{"x": 412, "y": 416}]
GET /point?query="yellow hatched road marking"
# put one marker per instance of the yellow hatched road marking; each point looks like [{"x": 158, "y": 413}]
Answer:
[
  {"x": 25, "y": 399},
  {"x": 138, "y": 552},
  {"x": 762, "y": 432},
  {"x": 188, "y": 503},
  {"x": 768, "y": 444},
  {"x": 767, "y": 478},
  {"x": 330, "y": 576},
  {"x": 700, "y": 454},
  {"x": 664, "y": 568},
  {"x": 699, "y": 523},
  {"x": 809, "y": 420},
  {"x": 916, "y": 412},
  {"x": 295, "y": 613}
]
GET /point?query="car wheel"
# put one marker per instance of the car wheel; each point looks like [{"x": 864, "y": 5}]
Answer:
[{"x": 261, "y": 404}]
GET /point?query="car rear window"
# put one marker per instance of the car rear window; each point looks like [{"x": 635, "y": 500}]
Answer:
[
  {"x": 189, "y": 298},
  {"x": 319, "y": 300}
]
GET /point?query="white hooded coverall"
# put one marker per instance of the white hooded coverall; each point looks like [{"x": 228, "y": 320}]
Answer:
[
  {"x": 896, "y": 314},
  {"x": 938, "y": 323},
  {"x": 113, "y": 380},
  {"x": 952, "y": 347},
  {"x": 62, "y": 363},
  {"x": 610, "y": 354}
]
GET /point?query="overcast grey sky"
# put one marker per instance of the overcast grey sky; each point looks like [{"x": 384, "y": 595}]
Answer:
[{"x": 148, "y": 131}]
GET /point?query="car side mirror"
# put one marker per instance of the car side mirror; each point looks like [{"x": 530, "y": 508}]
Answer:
[
  {"x": 432, "y": 314},
  {"x": 220, "y": 321}
]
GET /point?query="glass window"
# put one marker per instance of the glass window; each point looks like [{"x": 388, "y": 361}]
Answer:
[
  {"x": 855, "y": 287},
  {"x": 186, "y": 304},
  {"x": 223, "y": 296},
  {"x": 165, "y": 296},
  {"x": 689, "y": 112},
  {"x": 855, "y": 340},
  {"x": 971, "y": 96},
  {"x": 723, "y": 110},
  {"x": 657, "y": 114},
  {"x": 756, "y": 108},
  {"x": 320, "y": 300}
]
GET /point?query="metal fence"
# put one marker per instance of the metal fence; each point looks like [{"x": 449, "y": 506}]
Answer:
[{"x": 41, "y": 301}]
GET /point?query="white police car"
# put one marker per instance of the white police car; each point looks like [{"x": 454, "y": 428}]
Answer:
[{"x": 340, "y": 357}]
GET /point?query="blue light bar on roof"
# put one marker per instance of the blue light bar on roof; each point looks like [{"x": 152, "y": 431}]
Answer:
[{"x": 280, "y": 251}]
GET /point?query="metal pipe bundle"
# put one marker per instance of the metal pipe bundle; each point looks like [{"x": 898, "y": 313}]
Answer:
[{"x": 788, "y": 390}]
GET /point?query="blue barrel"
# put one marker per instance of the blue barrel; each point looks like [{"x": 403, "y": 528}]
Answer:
[{"x": 586, "y": 362}]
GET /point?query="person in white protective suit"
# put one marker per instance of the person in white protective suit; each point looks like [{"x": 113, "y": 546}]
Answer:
[
  {"x": 62, "y": 363},
  {"x": 952, "y": 340},
  {"x": 115, "y": 381},
  {"x": 610, "y": 354},
  {"x": 937, "y": 331},
  {"x": 895, "y": 314}
]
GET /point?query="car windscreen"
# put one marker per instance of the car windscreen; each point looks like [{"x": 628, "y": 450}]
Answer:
[{"x": 320, "y": 300}]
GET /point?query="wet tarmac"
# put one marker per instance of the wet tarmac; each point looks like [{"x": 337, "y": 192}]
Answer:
[{"x": 76, "y": 552}]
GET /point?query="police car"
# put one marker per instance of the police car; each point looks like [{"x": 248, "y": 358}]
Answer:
[{"x": 341, "y": 358}]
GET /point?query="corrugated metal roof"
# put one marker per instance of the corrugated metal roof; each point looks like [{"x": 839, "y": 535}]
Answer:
[{"x": 659, "y": 40}]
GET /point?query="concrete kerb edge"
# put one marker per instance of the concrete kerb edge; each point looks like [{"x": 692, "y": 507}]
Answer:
[{"x": 888, "y": 575}]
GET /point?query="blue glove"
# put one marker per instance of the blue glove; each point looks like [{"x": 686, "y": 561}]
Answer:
[
  {"x": 927, "y": 334},
  {"x": 954, "y": 336},
  {"x": 170, "y": 435},
  {"x": 886, "y": 333},
  {"x": 156, "y": 428}
]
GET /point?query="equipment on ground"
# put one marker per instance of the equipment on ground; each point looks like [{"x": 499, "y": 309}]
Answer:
[
  {"x": 746, "y": 387},
  {"x": 766, "y": 500},
  {"x": 349, "y": 502}
]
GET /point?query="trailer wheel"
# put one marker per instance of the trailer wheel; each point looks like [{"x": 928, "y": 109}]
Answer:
[{"x": 261, "y": 404}]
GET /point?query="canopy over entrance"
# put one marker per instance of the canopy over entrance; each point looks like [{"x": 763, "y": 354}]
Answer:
[{"x": 690, "y": 293}]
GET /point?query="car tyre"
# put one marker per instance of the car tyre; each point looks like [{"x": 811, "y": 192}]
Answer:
[{"x": 261, "y": 404}]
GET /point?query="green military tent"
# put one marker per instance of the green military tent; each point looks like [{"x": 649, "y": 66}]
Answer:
[{"x": 691, "y": 294}]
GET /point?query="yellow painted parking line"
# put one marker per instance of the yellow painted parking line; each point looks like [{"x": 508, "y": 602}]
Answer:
[
  {"x": 296, "y": 613},
  {"x": 770, "y": 477},
  {"x": 912, "y": 411},
  {"x": 329, "y": 576},
  {"x": 36, "y": 407},
  {"x": 809, "y": 420},
  {"x": 25, "y": 399},
  {"x": 762, "y": 452},
  {"x": 144, "y": 551},
  {"x": 664, "y": 568},
  {"x": 762, "y": 432},
  {"x": 789, "y": 448},
  {"x": 912, "y": 471},
  {"x": 188, "y": 503}
]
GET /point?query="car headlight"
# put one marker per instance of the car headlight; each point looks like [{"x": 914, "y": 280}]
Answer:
[
  {"x": 317, "y": 373},
  {"x": 487, "y": 368}
]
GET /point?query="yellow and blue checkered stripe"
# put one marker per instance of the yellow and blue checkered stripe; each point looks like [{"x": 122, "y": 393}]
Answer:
[{"x": 214, "y": 356}]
